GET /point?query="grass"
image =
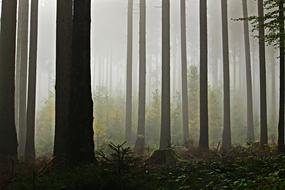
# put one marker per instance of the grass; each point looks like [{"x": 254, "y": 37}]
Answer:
[{"x": 239, "y": 168}]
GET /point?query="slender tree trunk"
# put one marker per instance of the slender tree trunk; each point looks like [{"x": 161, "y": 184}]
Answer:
[
  {"x": 250, "y": 125},
  {"x": 63, "y": 75},
  {"x": 23, "y": 18},
  {"x": 204, "y": 129},
  {"x": 263, "y": 104},
  {"x": 80, "y": 133},
  {"x": 165, "y": 136},
  {"x": 282, "y": 82},
  {"x": 139, "y": 147},
  {"x": 129, "y": 81},
  {"x": 184, "y": 73},
  {"x": 8, "y": 136},
  {"x": 227, "y": 107},
  {"x": 32, "y": 83}
]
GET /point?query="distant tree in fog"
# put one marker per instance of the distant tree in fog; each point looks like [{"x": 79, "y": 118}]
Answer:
[
  {"x": 32, "y": 83},
  {"x": 165, "y": 136},
  {"x": 185, "y": 111},
  {"x": 226, "y": 75},
  {"x": 262, "y": 67},
  {"x": 140, "y": 142},
  {"x": 204, "y": 128}
]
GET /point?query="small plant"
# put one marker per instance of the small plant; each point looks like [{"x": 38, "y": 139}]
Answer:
[{"x": 120, "y": 158}]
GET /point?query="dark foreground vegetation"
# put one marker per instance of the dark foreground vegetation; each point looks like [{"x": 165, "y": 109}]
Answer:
[{"x": 117, "y": 168}]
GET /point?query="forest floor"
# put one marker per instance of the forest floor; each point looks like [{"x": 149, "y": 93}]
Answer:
[{"x": 239, "y": 168}]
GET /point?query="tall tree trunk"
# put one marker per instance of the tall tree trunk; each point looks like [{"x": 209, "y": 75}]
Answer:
[
  {"x": 282, "y": 82},
  {"x": 32, "y": 83},
  {"x": 23, "y": 24},
  {"x": 204, "y": 129},
  {"x": 184, "y": 73},
  {"x": 263, "y": 104},
  {"x": 250, "y": 128},
  {"x": 8, "y": 136},
  {"x": 227, "y": 101},
  {"x": 80, "y": 133},
  {"x": 63, "y": 75},
  {"x": 139, "y": 147},
  {"x": 129, "y": 81},
  {"x": 165, "y": 136}
]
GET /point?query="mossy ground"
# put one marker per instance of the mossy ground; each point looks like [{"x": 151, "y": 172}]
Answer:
[{"x": 239, "y": 168}]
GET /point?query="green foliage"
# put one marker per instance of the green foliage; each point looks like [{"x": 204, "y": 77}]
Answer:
[
  {"x": 239, "y": 168},
  {"x": 119, "y": 160}
]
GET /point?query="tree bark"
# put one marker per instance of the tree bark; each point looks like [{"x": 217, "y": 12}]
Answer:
[
  {"x": 165, "y": 136},
  {"x": 204, "y": 129},
  {"x": 282, "y": 82},
  {"x": 227, "y": 108},
  {"x": 63, "y": 75},
  {"x": 32, "y": 83},
  {"x": 263, "y": 104},
  {"x": 80, "y": 132},
  {"x": 185, "y": 111},
  {"x": 8, "y": 136},
  {"x": 250, "y": 124},
  {"x": 129, "y": 81},
  {"x": 139, "y": 147}
]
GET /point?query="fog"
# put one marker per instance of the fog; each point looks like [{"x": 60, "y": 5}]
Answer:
[{"x": 108, "y": 65}]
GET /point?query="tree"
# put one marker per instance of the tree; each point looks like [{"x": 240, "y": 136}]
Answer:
[
  {"x": 263, "y": 104},
  {"x": 184, "y": 73},
  {"x": 8, "y": 136},
  {"x": 165, "y": 136},
  {"x": 80, "y": 143},
  {"x": 22, "y": 48},
  {"x": 250, "y": 128},
  {"x": 204, "y": 129},
  {"x": 129, "y": 72},
  {"x": 139, "y": 147},
  {"x": 226, "y": 76},
  {"x": 282, "y": 79},
  {"x": 63, "y": 75},
  {"x": 32, "y": 82}
]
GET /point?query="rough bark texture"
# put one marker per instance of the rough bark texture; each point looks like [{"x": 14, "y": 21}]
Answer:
[
  {"x": 32, "y": 83},
  {"x": 226, "y": 67},
  {"x": 80, "y": 141},
  {"x": 8, "y": 136},
  {"x": 129, "y": 81},
  {"x": 139, "y": 147},
  {"x": 204, "y": 129},
  {"x": 22, "y": 46},
  {"x": 185, "y": 111},
  {"x": 63, "y": 66},
  {"x": 165, "y": 136},
  {"x": 263, "y": 104},
  {"x": 250, "y": 125},
  {"x": 282, "y": 82}
]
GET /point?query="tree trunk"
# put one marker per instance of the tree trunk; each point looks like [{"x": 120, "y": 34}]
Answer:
[
  {"x": 23, "y": 18},
  {"x": 227, "y": 108},
  {"x": 204, "y": 129},
  {"x": 250, "y": 125},
  {"x": 263, "y": 104},
  {"x": 129, "y": 81},
  {"x": 184, "y": 73},
  {"x": 139, "y": 147},
  {"x": 32, "y": 83},
  {"x": 8, "y": 136},
  {"x": 80, "y": 133},
  {"x": 165, "y": 136},
  {"x": 63, "y": 75},
  {"x": 282, "y": 82}
]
